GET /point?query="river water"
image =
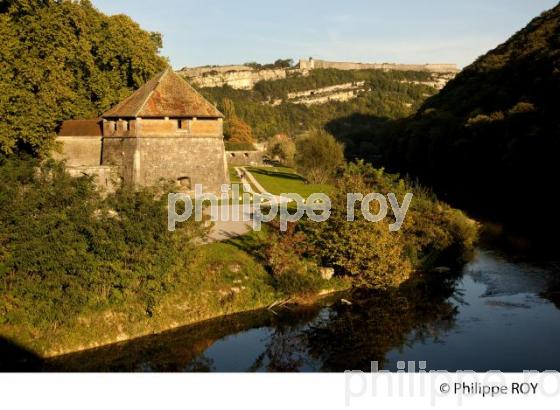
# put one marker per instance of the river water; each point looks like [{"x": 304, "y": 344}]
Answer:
[{"x": 495, "y": 314}]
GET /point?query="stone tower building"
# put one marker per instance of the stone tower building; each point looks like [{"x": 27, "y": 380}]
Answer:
[{"x": 163, "y": 131}]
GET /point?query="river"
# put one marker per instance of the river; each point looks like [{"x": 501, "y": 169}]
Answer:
[{"x": 496, "y": 313}]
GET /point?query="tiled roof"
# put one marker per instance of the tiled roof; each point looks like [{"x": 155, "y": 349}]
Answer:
[
  {"x": 81, "y": 128},
  {"x": 165, "y": 95}
]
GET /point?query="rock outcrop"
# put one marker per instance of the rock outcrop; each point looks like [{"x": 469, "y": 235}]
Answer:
[{"x": 243, "y": 77}]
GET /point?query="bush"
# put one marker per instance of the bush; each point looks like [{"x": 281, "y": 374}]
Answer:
[
  {"x": 374, "y": 256},
  {"x": 292, "y": 272},
  {"x": 318, "y": 156},
  {"x": 282, "y": 148},
  {"x": 65, "y": 250}
]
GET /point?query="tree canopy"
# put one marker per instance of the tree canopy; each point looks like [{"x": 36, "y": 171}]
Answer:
[
  {"x": 64, "y": 59},
  {"x": 492, "y": 134}
]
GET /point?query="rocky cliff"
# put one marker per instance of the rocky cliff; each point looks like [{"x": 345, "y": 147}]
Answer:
[{"x": 242, "y": 77}]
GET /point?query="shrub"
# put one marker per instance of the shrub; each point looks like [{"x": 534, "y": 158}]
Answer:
[
  {"x": 292, "y": 272},
  {"x": 318, "y": 156},
  {"x": 64, "y": 249},
  {"x": 374, "y": 256}
]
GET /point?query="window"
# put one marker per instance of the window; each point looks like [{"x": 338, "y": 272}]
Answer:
[
  {"x": 185, "y": 182},
  {"x": 183, "y": 125}
]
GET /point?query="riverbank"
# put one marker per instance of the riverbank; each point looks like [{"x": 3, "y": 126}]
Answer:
[
  {"x": 489, "y": 314},
  {"x": 223, "y": 280}
]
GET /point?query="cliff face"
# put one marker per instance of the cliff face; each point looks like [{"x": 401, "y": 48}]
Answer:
[
  {"x": 243, "y": 77},
  {"x": 238, "y": 77}
]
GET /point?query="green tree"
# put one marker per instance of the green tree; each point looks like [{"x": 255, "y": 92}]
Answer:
[
  {"x": 368, "y": 251},
  {"x": 281, "y": 146},
  {"x": 64, "y": 59},
  {"x": 318, "y": 156}
]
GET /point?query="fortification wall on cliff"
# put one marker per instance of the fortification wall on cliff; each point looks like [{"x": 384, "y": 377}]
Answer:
[
  {"x": 339, "y": 65},
  {"x": 244, "y": 77}
]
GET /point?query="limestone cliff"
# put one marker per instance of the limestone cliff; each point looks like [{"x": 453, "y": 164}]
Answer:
[{"x": 243, "y": 77}]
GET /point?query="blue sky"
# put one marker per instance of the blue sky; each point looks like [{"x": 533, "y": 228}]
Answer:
[{"x": 200, "y": 32}]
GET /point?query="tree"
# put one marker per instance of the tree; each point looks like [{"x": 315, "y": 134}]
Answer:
[
  {"x": 283, "y": 148},
  {"x": 318, "y": 156},
  {"x": 369, "y": 252},
  {"x": 61, "y": 60},
  {"x": 239, "y": 132}
]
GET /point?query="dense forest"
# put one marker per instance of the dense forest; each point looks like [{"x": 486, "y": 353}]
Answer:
[
  {"x": 391, "y": 95},
  {"x": 489, "y": 140},
  {"x": 61, "y": 60}
]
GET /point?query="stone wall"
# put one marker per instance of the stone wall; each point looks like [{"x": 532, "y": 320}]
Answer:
[
  {"x": 186, "y": 160},
  {"x": 106, "y": 178},
  {"x": 245, "y": 158},
  {"x": 79, "y": 151},
  {"x": 120, "y": 152},
  {"x": 162, "y": 127},
  {"x": 312, "y": 64}
]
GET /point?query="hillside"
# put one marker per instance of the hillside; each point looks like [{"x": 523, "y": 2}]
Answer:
[
  {"x": 294, "y": 104},
  {"x": 244, "y": 77},
  {"x": 489, "y": 141}
]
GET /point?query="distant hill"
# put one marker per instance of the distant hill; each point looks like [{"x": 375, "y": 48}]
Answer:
[
  {"x": 297, "y": 103},
  {"x": 490, "y": 140},
  {"x": 244, "y": 77}
]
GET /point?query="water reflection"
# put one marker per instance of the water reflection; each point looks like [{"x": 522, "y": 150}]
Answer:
[{"x": 489, "y": 316}]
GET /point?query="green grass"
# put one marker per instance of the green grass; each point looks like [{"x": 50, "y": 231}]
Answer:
[
  {"x": 283, "y": 180},
  {"x": 235, "y": 180}
]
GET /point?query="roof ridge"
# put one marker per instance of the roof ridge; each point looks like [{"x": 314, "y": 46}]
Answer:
[
  {"x": 161, "y": 75},
  {"x": 167, "y": 94}
]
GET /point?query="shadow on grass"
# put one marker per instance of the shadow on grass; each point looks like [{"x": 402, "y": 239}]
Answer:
[
  {"x": 277, "y": 174},
  {"x": 252, "y": 243}
]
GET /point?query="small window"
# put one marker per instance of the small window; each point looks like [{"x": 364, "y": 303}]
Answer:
[
  {"x": 182, "y": 124},
  {"x": 185, "y": 182},
  {"x": 246, "y": 155},
  {"x": 232, "y": 155}
]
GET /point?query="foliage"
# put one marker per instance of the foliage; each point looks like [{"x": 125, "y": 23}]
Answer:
[
  {"x": 291, "y": 271},
  {"x": 66, "y": 250},
  {"x": 318, "y": 156},
  {"x": 280, "y": 63},
  {"x": 282, "y": 148},
  {"x": 374, "y": 256},
  {"x": 490, "y": 134},
  {"x": 392, "y": 95},
  {"x": 64, "y": 59},
  {"x": 239, "y": 132}
]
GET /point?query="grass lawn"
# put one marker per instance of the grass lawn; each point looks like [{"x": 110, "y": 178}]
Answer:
[{"x": 283, "y": 180}]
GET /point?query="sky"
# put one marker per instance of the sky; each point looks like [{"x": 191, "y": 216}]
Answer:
[{"x": 201, "y": 32}]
